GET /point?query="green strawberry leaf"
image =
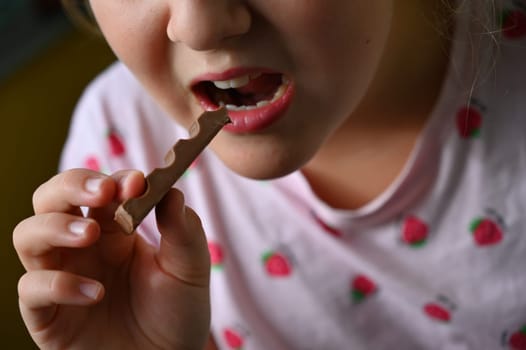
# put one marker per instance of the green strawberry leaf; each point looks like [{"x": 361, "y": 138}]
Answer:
[
  {"x": 357, "y": 296},
  {"x": 267, "y": 255},
  {"x": 475, "y": 133},
  {"x": 474, "y": 224},
  {"x": 419, "y": 244}
]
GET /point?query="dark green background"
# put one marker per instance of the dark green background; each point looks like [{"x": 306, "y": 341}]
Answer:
[{"x": 41, "y": 77}]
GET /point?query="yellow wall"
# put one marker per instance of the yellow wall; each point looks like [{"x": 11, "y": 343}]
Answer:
[{"x": 35, "y": 106}]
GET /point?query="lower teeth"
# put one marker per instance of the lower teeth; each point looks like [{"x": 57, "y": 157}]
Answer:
[{"x": 277, "y": 95}]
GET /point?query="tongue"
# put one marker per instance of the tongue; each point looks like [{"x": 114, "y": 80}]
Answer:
[{"x": 263, "y": 86}]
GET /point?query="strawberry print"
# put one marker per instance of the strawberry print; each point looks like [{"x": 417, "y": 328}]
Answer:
[
  {"x": 115, "y": 143},
  {"x": 513, "y": 23},
  {"x": 326, "y": 227},
  {"x": 469, "y": 122},
  {"x": 414, "y": 231},
  {"x": 216, "y": 255},
  {"x": 276, "y": 264},
  {"x": 437, "y": 312},
  {"x": 518, "y": 339},
  {"x": 92, "y": 163},
  {"x": 233, "y": 339},
  {"x": 192, "y": 166},
  {"x": 485, "y": 232},
  {"x": 362, "y": 287}
]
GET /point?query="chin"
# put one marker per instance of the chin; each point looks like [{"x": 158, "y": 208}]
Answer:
[
  {"x": 258, "y": 166},
  {"x": 264, "y": 170},
  {"x": 264, "y": 156}
]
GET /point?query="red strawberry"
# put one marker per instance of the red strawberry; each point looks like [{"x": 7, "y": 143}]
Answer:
[
  {"x": 233, "y": 339},
  {"x": 518, "y": 339},
  {"x": 92, "y": 163},
  {"x": 362, "y": 287},
  {"x": 216, "y": 254},
  {"x": 469, "y": 122},
  {"x": 329, "y": 229},
  {"x": 414, "y": 231},
  {"x": 486, "y": 232},
  {"x": 513, "y": 24},
  {"x": 277, "y": 264},
  {"x": 437, "y": 312},
  {"x": 115, "y": 142}
]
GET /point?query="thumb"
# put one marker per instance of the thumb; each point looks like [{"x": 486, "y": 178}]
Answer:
[{"x": 183, "y": 251}]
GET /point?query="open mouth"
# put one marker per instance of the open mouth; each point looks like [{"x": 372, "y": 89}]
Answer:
[
  {"x": 254, "y": 100},
  {"x": 246, "y": 92}
]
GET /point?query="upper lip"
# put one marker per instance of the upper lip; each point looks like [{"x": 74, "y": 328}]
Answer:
[{"x": 229, "y": 74}]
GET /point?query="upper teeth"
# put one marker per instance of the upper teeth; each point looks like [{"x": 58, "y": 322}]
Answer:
[
  {"x": 244, "y": 80},
  {"x": 236, "y": 82}
]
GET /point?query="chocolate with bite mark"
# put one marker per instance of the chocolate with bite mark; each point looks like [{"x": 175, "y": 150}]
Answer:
[{"x": 132, "y": 211}]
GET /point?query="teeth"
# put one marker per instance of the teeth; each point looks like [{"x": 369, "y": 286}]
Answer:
[
  {"x": 241, "y": 81},
  {"x": 277, "y": 95},
  {"x": 262, "y": 104},
  {"x": 232, "y": 83},
  {"x": 280, "y": 92}
]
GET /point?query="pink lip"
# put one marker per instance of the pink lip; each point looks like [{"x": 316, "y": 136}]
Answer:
[{"x": 249, "y": 120}]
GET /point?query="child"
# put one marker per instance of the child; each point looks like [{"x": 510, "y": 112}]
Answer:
[{"x": 369, "y": 194}]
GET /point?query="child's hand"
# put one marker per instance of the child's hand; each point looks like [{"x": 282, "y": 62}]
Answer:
[{"x": 89, "y": 286}]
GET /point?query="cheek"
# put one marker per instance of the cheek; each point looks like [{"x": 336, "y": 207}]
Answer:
[
  {"x": 136, "y": 32},
  {"x": 333, "y": 24},
  {"x": 341, "y": 47},
  {"x": 133, "y": 30}
]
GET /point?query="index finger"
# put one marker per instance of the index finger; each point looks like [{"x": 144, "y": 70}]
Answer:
[{"x": 69, "y": 190}]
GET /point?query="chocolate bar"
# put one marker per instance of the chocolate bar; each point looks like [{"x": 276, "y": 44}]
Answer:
[{"x": 132, "y": 211}]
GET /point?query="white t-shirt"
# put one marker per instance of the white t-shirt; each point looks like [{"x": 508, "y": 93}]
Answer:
[{"x": 437, "y": 261}]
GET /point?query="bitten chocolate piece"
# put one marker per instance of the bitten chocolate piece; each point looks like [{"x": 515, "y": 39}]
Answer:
[{"x": 132, "y": 211}]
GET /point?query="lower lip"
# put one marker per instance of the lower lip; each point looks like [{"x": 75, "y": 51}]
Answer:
[{"x": 257, "y": 119}]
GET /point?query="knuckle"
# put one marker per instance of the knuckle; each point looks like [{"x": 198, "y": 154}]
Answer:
[
  {"x": 48, "y": 189},
  {"x": 57, "y": 285},
  {"x": 69, "y": 180},
  {"x": 18, "y": 233},
  {"x": 37, "y": 195},
  {"x": 23, "y": 285},
  {"x": 25, "y": 239}
]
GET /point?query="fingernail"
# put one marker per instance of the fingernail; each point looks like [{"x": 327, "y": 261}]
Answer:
[
  {"x": 91, "y": 290},
  {"x": 93, "y": 185},
  {"x": 78, "y": 227}
]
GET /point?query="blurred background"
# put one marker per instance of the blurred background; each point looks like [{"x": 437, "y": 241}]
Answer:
[{"x": 45, "y": 63}]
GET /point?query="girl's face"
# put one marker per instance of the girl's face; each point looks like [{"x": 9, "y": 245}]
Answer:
[{"x": 290, "y": 71}]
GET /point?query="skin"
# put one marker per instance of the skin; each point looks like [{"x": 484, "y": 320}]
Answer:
[{"x": 367, "y": 74}]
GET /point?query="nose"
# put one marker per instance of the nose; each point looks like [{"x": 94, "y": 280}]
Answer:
[{"x": 205, "y": 24}]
